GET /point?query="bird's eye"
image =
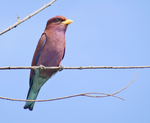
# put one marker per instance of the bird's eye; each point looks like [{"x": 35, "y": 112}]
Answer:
[{"x": 56, "y": 20}]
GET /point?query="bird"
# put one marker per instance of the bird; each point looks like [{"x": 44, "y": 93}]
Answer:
[{"x": 49, "y": 52}]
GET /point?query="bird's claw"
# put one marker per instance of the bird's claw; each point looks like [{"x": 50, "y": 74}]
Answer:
[
  {"x": 61, "y": 68},
  {"x": 42, "y": 67}
]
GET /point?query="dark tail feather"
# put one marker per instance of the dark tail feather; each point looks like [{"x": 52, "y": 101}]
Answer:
[{"x": 29, "y": 105}]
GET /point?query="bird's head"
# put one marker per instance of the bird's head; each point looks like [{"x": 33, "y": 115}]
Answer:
[{"x": 58, "y": 23}]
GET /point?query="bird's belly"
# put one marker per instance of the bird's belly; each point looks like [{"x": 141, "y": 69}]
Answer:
[
  {"x": 49, "y": 59},
  {"x": 52, "y": 58}
]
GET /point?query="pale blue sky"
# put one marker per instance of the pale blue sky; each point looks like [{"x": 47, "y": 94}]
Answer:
[{"x": 110, "y": 33}]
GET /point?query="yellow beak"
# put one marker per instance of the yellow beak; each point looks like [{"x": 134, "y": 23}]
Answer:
[{"x": 67, "y": 21}]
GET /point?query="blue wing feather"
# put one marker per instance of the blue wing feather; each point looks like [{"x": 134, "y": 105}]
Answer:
[{"x": 37, "y": 57}]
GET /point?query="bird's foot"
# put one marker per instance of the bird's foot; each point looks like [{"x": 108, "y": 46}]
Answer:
[
  {"x": 42, "y": 67},
  {"x": 61, "y": 68}
]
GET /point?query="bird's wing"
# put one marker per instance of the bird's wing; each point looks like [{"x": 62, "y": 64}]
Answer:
[
  {"x": 63, "y": 54},
  {"x": 37, "y": 53}
]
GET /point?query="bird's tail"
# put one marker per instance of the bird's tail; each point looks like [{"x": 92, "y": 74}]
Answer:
[
  {"x": 36, "y": 82},
  {"x": 32, "y": 95}
]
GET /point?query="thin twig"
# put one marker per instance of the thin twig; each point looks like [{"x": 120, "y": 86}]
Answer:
[
  {"x": 126, "y": 86},
  {"x": 27, "y": 17},
  {"x": 44, "y": 100},
  {"x": 80, "y": 68},
  {"x": 83, "y": 94}
]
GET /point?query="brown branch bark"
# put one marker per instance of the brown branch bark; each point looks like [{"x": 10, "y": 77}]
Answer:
[
  {"x": 80, "y": 68},
  {"x": 27, "y": 17}
]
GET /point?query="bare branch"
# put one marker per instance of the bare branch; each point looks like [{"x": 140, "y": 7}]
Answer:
[
  {"x": 44, "y": 100},
  {"x": 27, "y": 17},
  {"x": 80, "y": 68},
  {"x": 89, "y": 94},
  {"x": 126, "y": 86}
]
